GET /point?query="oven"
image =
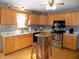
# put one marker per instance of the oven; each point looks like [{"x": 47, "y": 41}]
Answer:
[{"x": 57, "y": 40}]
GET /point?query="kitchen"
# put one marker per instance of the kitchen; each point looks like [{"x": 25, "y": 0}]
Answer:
[{"x": 18, "y": 29}]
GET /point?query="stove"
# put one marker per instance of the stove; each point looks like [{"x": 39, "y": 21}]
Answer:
[{"x": 57, "y": 34}]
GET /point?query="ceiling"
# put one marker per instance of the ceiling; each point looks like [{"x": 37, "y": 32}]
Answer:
[{"x": 34, "y": 5}]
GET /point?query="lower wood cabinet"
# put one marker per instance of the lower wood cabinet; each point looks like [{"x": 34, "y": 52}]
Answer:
[
  {"x": 70, "y": 41},
  {"x": 8, "y": 45},
  {"x": 26, "y": 40},
  {"x": 13, "y": 43},
  {"x": 16, "y": 43}
]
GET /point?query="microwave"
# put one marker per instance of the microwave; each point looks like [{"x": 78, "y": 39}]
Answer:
[{"x": 59, "y": 23}]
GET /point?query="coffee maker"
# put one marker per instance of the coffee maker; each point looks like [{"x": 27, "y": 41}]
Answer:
[{"x": 71, "y": 30}]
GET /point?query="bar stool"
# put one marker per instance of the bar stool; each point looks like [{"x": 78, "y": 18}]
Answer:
[{"x": 40, "y": 48}]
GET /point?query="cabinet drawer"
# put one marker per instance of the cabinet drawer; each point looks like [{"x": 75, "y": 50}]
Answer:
[{"x": 25, "y": 36}]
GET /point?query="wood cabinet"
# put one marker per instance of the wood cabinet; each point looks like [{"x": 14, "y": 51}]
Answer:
[
  {"x": 77, "y": 17},
  {"x": 70, "y": 41},
  {"x": 71, "y": 18},
  {"x": 16, "y": 43},
  {"x": 8, "y": 45},
  {"x": 33, "y": 19},
  {"x": 68, "y": 18},
  {"x": 59, "y": 17},
  {"x": 43, "y": 20},
  {"x": 54, "y": 17},
  {"x": 7, "y": 16},
  {"x": 50, "y": 19},
  {"x": 13, "y": 43},
  {"x": 26, "y": 40}
]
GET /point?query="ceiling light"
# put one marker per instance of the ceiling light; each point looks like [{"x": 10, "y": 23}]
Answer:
[
  {"x": 54, "y": 7},
  {"x": 21, "y": 8},
  {"x": 48, "y": 7}
]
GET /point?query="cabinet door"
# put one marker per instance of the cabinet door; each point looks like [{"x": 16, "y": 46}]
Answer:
[
  {"x": 74, "y": 18},
  {"x": 68, "y": 18},
  {"x": 62, "y": 16},
  {"x": 43, "y": 20},
  {"x": 73, "y": 42},
  {"x": 8, "y": 45},
  {"x": 8, "y": 16},
  {"x": 23, "y": 42},
  {"x": 16, "y": 43},
  {"x": 33, "y": 19},
  {"x": 50, "y": 19},
  {"x": 70, "y": 42},
  {"x": 77, "y": 17},
  {"x": 59, "y": 17},
  {"x": 11, "y": 18},
  {"x": 3, "y": 15},
  {"x": 29, "y": 41},
  {"x": 26, "y": 40},
  {"x": 66, "y": 41}
]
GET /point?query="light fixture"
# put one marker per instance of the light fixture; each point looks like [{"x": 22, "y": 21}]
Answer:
[
  {"x": 48, "y": 7},
  {"x": 21, "y": 8}
]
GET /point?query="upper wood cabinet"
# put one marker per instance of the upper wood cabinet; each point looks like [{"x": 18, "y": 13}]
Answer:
[
  {"x": 77, "y": 17},
  {"x": 8, "y": 16},
  {"x": 33, "y": 19},
  {"x": 68, "y": 18},
  {"x": 50, "y": 19},
  {"x": 53, "y": 17},
  {"x": 74, "y": 19},
  {"x": 59, "y": 17},
  {"x": 43, "y": 20},
  {"x": 71, "y": 18}
]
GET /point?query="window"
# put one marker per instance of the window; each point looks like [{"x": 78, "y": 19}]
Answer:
[{"x": 22, "y": 21}]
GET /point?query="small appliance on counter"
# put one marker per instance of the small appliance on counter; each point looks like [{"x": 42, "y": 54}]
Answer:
[{"x": 71, "y": 30}]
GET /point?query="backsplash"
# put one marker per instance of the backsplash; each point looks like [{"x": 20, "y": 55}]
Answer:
[
  {"x": 6, "y": 28},
  {"x": 76, "y": 28},
  {"x": 38, "y": 26}
]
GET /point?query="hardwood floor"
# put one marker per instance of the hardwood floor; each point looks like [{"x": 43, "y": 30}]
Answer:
[{"x": 58, "y": 53}]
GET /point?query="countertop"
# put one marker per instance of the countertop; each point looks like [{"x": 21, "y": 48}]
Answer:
[
  {"x": 14, "y": 33},
  {"x": 73, "y": 34}
]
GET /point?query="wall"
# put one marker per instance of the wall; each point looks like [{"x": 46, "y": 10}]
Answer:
[{"x": 6, "y": 28}]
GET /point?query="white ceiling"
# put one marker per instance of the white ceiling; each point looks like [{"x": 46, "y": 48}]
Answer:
[{"x": 34, "y": 5}]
